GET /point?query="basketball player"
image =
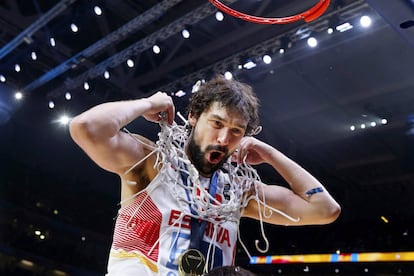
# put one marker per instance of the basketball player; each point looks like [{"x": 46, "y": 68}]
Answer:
[{"x": 159, "y": 230}]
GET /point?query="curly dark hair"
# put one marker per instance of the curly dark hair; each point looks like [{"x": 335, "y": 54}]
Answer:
[{"x": 231, "y": 94}]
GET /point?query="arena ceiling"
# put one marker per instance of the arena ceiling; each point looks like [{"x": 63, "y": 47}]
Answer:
[{"x": 310, "y": 98}]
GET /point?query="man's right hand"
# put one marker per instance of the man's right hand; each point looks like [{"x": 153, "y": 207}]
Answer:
[{"x": 162, "y": 108}]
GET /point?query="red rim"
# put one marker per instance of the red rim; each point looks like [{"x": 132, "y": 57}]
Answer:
[{"x": 317, "y": 10}]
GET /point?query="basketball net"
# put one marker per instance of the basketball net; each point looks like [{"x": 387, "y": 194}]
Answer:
[{"x": 244, "y": 181}]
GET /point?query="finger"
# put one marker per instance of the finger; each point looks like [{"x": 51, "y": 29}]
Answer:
[
  {"x": 241, "y": 150},
  {"x": 234, "y": 156},
  {"x": 162, "y": 116},
  {"x": 243, "y": 156},
  {"x": 239, "y": 155},
  {"x": 156, "y": 118},
  {"x": 171, "y": 113}
]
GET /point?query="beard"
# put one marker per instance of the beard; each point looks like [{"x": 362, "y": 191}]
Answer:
[{"x": 197, "y": 156}]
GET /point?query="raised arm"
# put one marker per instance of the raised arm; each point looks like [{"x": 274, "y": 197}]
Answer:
[
  {"x": 307, "y": 199},
  {"x": 98, "y": 130}
]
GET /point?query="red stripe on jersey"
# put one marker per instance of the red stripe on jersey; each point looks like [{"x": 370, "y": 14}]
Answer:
[{"x": 138, "y": 230}]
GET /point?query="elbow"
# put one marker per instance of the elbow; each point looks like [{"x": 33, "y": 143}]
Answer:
[
  {"x": 78, "y": 128},
  {"x": 331, "y": 213},
  {"x": 82, "y": 129},
  {"x": 88, "y": 130}
]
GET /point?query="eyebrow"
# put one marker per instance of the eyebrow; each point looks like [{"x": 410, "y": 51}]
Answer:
[{"x": 218, "y": 117}]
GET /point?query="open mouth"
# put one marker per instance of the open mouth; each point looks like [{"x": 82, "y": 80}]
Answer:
[{"x": 215, "y": 157}]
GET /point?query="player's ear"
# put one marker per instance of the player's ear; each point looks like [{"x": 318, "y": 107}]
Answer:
[{"x": 192, "y": 119}]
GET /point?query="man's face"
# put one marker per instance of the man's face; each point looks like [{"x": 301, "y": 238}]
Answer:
[{"x": 215, "y": 135}]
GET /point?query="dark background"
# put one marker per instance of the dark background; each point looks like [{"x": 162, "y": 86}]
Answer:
[{"x": 309, "y": 99}]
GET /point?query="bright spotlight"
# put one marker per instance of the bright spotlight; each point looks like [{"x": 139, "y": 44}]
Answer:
[
  {"x": 106, "y": 75},
  {"x": 344, "y": 27},
  {"x": 180, "y": 93},
  {"x": 51, "y": 104},
  {"x": 68, "y": 96},
  {"x": 156, "y": 49},
  {"x": 130, "y": 63},
  {"x": 365, "y": 21},
  {"x": 219, "y": 16},
  {"x": 267, "y": 59},
  {"x": 228, "y": 75},
  {"x": 97, "y": 10},
  {"x": 52, "y": 42},
  {"x": 33, "y": 55},
  {"x": 64, "y": 120},
  {"x": 312, "y": 42},
  {"x": 249, "y": 64},
  {"x": 74, "y": 28},
  {"x": 185, "y": 33},
  {"x": 18, "y": 95}
]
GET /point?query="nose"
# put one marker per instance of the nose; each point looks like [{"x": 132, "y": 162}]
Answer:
[{"x": 223, "y": 137}]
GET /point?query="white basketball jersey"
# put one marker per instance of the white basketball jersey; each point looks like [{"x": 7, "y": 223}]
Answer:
[{"x": 152, "y": 231}]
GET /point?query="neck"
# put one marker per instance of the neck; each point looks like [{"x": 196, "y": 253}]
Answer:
[{"x": 205, "y": 175}]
